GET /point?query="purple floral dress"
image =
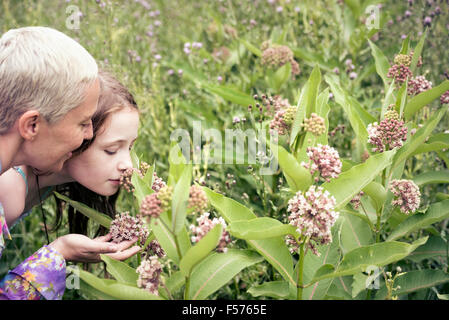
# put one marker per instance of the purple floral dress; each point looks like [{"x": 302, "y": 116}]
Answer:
[{"x": 41, "y": 276}]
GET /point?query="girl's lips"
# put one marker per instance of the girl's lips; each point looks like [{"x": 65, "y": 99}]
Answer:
[{"x": 115, "y": 181}]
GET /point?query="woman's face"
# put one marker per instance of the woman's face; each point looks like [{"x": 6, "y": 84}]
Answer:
[{"x": 100, "y": 166}]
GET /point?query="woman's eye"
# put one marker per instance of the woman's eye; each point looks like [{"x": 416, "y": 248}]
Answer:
[{"x": 110, "y": 152}]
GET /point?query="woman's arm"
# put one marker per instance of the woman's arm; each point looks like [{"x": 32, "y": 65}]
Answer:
[{"x": 12, "y": 195}]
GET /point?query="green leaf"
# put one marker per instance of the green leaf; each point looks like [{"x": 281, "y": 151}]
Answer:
[
  {"x": 424, "y": 98},
  {"x": 217, "y": 270},
  {"x": 260, "y": 228},
  {"x": 120, "y": 271},
  {"x": 401, "y": 98},
  {"x": 349, "y": 106},
  {"x": 280, "y": 77},
  {"x": 96, "y": 216},
  {"x": 432, "y": 177},
  {"x": 359, "y": 283},
  {"x": 298, "y": 177},
  {"x": 329, "y": 255},
  {"x": 93, "y": 293},
  {"x": 350, "y": 182},
  {"x": 376, "y": 192},
  {"x": 436, "y": 142},
  {"x": 414, "y": 281},
  {"x": 253, "y": 49},
  {"x": 228, "y": 208},
  {"x": 307, "y": 102},
  {"x": 381, "y": 61},
  {"x": 274, "y": 289},
  {"x": 142, "y": 189},
  {"x": 274, "y": 250},
  {"x": 312, "y": 59},
  {"x": 418, "y": 138},
  {"x": 116, "y": 289},
  {"x": 167, "y": 240},
  {"x": 436, "y": 212},
  {"x": 378, "y": 254},
  {"x": 199, "y": 251},
  {"x": 177, "y": 163},
  {"x": 405, "y": 45},
  {"x": 417, "y": 52},
  {"x": 355, "y": 233},
  {"x": 180, "y": 199},
  {"x": 230, "y": 94},
  {"x": 312, "y": 91},
  {"x": 175, "y": 282},
  {"x": 435, "y": 248}
]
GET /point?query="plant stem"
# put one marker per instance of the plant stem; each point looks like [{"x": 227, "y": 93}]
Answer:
[
  {"x": 187, "y": 288},
  {"x": 299, "y": 282}
]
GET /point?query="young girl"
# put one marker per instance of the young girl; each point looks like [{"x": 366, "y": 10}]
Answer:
[{"x": 91, "y": 176}]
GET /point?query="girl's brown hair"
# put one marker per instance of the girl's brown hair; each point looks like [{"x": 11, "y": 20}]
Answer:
[{"x": 114, "y": 96}]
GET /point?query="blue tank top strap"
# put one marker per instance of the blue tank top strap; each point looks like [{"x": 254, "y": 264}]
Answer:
[{"x": 19, "y": 170}]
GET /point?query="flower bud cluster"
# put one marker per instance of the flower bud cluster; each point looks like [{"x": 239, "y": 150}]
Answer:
[
  {"x": 417, "y": 85},
  {"x": 315, "y": 124},
  {"x": 386, "y": 135},
  {"x": 406, "y": 195},
  {"x": 292, "y": 244},
  {"x": 165, "y": 195},
  {"x": 356, "y": 201},
  {"x": 278, "y": 123},
  {"x": 125, "y": 180},
  {"x": 444, "y": 99},
  {"x": 149, "y": 274},
  {"x": 151, "y": 206},
  {"x": 325, "y": 160},
  {"x": 158, "y": 183},
  {"x": 313, "y": 215},
  {"x": 154, "y": 248},
  {"x": 126, "y": 227},
  {"x": 197, "y": 199},
  {"x": 205, "y": 225},
  {"x": 277, "y": 55},
  {"x": 403, "y": 59},
  {"x": 400, "y": 73}
]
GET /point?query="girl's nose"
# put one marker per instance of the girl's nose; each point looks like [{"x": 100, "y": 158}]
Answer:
[{"x": 125, "y": 162}]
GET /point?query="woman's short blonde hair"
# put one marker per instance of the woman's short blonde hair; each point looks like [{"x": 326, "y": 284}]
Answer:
[{"x": 42, "y": 69}]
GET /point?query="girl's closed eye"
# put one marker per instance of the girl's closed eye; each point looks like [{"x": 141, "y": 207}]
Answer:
[{"x": 110, "y": 152}]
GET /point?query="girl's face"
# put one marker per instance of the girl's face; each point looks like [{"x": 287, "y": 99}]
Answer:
[{"x": 100, "y": 166}]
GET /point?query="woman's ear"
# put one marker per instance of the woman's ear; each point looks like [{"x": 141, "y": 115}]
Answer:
[{"x": 29, "y": 124}]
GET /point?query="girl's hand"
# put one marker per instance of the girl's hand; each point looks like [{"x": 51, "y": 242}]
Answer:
[{"x": 79, "y": 248}]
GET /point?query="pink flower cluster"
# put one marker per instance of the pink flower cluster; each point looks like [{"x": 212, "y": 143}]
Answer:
[
  {"x": 386, "y": 135},
  {"x": 197, "y": 199},
  {"x": 276, "y": 56},
  {"x": 126, "y": 227},
  {"x": 205, "y": 225},
  {"x": 278, "y": 123},
  {"x": 417, "y": 85},
  {"x": 400, "y": 73},
  {"x": 125, "y": 180},
  {"x": 149, "y": 274},
  {"x": 158, "y": 183},
  {"x": 325, "y": 160},
  {"x": 313, "y": 215},
  {"x": 154, "y": 248},
  {"x": 406, "y": 195},
  {"x": 151, "y": 206},
  {"x": 444, "y": 99}
]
